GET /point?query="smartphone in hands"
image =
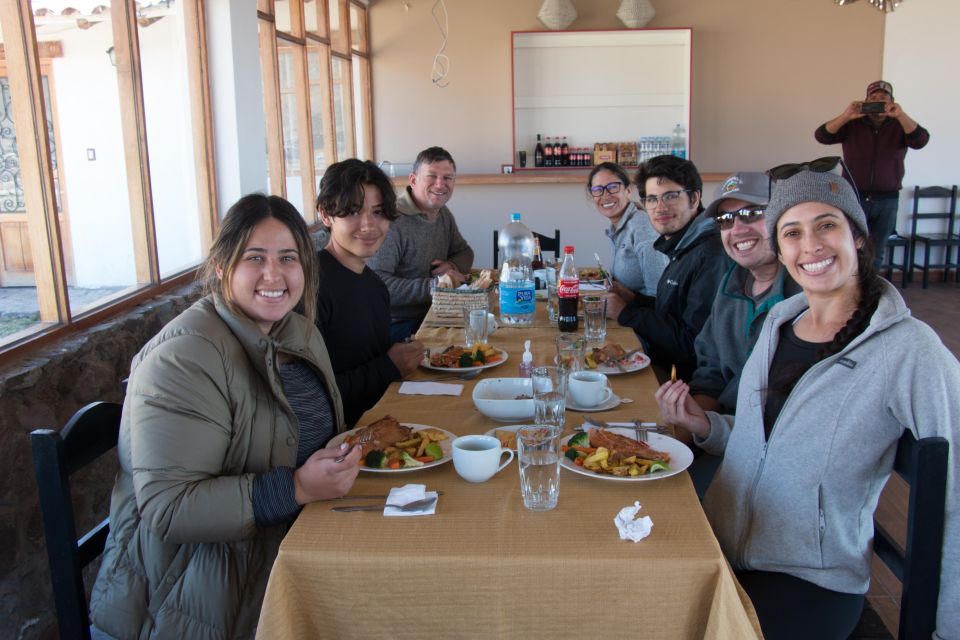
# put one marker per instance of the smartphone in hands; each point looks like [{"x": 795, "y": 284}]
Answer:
[{"x": 873, "y": 107}]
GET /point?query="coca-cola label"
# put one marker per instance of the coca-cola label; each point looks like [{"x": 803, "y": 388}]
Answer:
[{"x": 568, "y": 288}]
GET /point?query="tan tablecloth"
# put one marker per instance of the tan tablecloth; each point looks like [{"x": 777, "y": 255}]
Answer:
[{"x": 486, "y": 567}]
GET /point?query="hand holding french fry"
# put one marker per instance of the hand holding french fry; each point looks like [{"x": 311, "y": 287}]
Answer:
[{"x": 678, "y": 408}]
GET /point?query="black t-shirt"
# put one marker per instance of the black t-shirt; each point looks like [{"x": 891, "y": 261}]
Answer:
[{"x": 792, "y": 358}]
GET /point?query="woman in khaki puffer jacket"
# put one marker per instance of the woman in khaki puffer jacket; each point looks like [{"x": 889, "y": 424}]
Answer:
[{"x": 216, "y": 455}]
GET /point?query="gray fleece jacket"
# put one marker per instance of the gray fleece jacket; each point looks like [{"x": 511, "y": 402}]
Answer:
[
  {"x": 413, "y": 242},
  {"x": 636, "y": 264},
  {"x": 802, "y": 501}
]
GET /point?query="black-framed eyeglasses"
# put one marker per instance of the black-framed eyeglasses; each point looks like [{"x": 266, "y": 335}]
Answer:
[
  {"x": 726, "y": 219},
  {"x": 610, "y": 187},
  {"x": 825, "y": 164},
  {"x": 668, "y": 198}
]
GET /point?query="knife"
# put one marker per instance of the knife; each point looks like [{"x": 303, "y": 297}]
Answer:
[
  {"x": 363, "y": 497},
  {"x": 606, "y": 276}
]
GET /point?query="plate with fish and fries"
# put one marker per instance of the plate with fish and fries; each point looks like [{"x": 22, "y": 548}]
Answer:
[
  {"x": 616, "y": 454},
  {"x": 459, "y": 359},
  {"x": 389, "y": 446}
]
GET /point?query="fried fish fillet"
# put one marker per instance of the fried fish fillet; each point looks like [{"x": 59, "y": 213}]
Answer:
[
  {"x": 622, "y": 447},
  {"x": 385, "y": 432}
]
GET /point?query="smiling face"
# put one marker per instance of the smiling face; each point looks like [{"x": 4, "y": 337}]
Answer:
[
  {"x": 669, "y": 217},
  {"x": 747, "y": 243},
  {"x": 610, "y": 205},
  {"x": 818, "y": 249},
  {"x": 432, "y": 185},
  {"x": 358, "y": 235},
  {"x": 267, "y": 281}
]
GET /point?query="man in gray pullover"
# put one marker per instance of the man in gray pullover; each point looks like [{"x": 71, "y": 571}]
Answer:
[{"x": 423, "y": 243}]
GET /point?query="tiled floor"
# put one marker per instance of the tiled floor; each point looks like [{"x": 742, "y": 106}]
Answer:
[{"x": 939, "y": 307}]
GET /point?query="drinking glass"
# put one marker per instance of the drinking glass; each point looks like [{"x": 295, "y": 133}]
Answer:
[
  {"x": 538, "y": 450},
  {"x": 595, "y": 318},
  {"x": 570, "y": 351},
  {"x": 549, "y": 395},
  {"x": 552, "y": 300},
  {"x": 476, "y": 326}
]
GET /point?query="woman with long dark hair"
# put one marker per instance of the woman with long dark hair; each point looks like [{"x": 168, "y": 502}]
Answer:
[{"x": 836, "y": 376}]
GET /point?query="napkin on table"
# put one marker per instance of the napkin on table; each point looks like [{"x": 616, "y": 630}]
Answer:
[
  {"x": 631, "y": 529},
  {"x": 410, "y": 388},
  {"x": 409, "y": 493}
]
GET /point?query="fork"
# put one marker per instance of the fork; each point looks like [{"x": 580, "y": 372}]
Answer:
[
  {"x": 466, "y": 375},
  {"x": 362, "y": 440}
]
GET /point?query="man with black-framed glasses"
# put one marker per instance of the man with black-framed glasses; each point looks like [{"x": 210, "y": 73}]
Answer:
[
  {"x": 669, "y": 189},
  {"x": 875, "y": 134}
]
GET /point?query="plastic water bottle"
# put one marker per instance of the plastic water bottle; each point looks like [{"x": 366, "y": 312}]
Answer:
[
  {"x": 516, "y": 277},
  {"x": 679, "y": 143}
]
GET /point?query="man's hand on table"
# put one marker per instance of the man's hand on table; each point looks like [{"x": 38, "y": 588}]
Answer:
[
  {"x": 406, "y": 356},
  {"x": 321, "y": 477},
  {"x": 615, "y": 304},
  {"x": 444, "y": 267}
]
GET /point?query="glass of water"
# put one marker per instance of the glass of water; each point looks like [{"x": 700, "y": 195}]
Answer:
[
  {"x": 552, "y": 300},
  {"x": 595, "y": 318},
  {"x": 570, "y": 351},
  {"x": 476, "y": 326},
  {"x": 549, "y": 395},
  {"x": 538, "y": 450}
]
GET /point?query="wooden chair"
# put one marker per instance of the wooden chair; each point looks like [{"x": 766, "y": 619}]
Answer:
[
  {"x": 90, "y": 433},
  {"x": 890, "y": 249},
  {"x": 947, "y": 240},
  {"x": 923, "y": 465},
  {"x": 546, "y": 244}
]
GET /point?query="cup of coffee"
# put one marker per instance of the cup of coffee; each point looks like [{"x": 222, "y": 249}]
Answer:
[
  {"x": 589, "y": 388},
  {"x": 477, "y": 458}
]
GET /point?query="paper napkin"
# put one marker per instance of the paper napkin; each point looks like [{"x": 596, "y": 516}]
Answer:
[
  {"x": 631, "y": 529},
  {"x": 430, "y": 389},
  {"x": 407, "y": 494}
]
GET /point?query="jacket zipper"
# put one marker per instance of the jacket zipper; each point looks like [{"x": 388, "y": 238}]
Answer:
[{"x": 751, "y": 495}]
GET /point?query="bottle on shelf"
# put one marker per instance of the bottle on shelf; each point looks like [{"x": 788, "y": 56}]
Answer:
[
  {"x": 565, "y": 153},
  {"x": 538, "y": 153},
  {"x": 516, "y": 245},
  {"x": 548, "y": 153},
  {"x": 678, "y": 146},
  {"x": 568, "y": 293}
]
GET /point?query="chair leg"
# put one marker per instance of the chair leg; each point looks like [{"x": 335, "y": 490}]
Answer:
[{"x": 926, "y": 267}]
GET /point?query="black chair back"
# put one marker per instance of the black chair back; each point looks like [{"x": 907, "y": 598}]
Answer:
[
  {"x": 923, "y": 465},
  {"x": 948, "y": 239},
  {"x": 90, "y": 433},
  {"x": 547, "y": 243}
]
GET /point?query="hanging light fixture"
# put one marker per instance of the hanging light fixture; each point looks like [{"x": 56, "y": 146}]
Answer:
[
  {"x": 557, "y": 14},
  {"x": 885, "y": 6}
]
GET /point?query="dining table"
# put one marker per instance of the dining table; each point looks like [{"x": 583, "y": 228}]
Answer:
[{"x": 484, "y": 566}]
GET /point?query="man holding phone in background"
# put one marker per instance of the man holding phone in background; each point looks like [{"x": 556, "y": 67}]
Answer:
[{"x": 875, "y": 134}]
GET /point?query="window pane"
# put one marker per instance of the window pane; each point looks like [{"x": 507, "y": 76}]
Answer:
[
  {"x": 94, "y": 211},
  {"x": 291, "y": 131},
  {"x": 267, "y": 73},
  {"x": 281, "y": 12},
  {"x": 314, "y": 18},
  {"x": 170, "y": 137},
  {"x": 315, "y": 62},
  {"x": 359, "y": 105},
  {"x": 338, "y": 38},
  {"x": 338, "y": 69},
  {"x": 358, "y": 28}
]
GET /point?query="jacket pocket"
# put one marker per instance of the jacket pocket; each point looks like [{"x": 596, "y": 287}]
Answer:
[{"x": 788, "y": 529}]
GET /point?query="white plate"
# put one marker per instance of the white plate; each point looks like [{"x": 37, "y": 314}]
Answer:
[
  {"x": 612, "y": 402},
  {"x": 425, "y": 363},
  {"x": 445, "y": 445},
  {"x": 513, "y": 427},
  {"x": 637, "y": 361},
  {"x": 680, "y": 458}
]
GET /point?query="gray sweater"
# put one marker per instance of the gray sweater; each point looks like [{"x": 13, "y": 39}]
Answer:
[
  {"x": 413, "y": 242},
  {"x": 802, "y": 501},
  {"x": 636, "y": 264}
]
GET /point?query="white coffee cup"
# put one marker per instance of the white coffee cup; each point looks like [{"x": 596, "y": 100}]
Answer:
[
  {"x": 477, "y": 458},
  {"x": 589, "y": 388}
]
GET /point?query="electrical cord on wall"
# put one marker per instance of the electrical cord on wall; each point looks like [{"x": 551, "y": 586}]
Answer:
[{"x": 441, "y": 63}]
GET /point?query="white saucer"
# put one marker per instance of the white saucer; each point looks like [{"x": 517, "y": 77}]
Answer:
[{"x": 612, "y": 402}]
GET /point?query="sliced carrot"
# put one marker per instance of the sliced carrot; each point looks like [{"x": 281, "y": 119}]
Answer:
[
  {"x": 578, "y": 462},
  {"x": 394, "y": 464},
  {"x": 424, "y": 458},
  {"x": 585, "y": 449}
]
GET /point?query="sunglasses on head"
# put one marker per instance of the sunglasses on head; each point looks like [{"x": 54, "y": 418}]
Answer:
[
  {"x": 820, "y": 165},
  {"x": 726, "y": 219}
]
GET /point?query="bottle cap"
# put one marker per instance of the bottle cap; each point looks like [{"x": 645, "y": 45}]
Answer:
[
  {"x": 527, "y": 356},
  {"x": 568, "y": 248},
  {"x": 515, "y": 217}
]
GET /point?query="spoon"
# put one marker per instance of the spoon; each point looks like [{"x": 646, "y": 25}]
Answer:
[{"x": 416, "y": 505}]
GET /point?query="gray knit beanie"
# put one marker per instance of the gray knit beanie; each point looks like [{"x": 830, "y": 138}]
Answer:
[{"x": 811, "y": 186}]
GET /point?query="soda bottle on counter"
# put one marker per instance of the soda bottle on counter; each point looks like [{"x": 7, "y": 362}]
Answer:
[
  {"x": 565, "y": 153},
  {"x": 538, "y": 153},
  {"x": 516, "y": 245},
  {"x": 548, "y": 153},
  {"x": 537, "y": 262},
  {"x": 568, "y": 293}
]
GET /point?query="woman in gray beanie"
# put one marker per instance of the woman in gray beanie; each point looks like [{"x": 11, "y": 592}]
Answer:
[{"x": 837, "y": 374}]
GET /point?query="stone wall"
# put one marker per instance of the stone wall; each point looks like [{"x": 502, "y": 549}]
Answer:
[{"x": 43, "y": 391}]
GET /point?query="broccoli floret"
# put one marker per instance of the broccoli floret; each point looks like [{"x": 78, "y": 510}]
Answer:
[
  {"x": 658, "y": 466},
  {"x": 434, "y": 451},
  {"x": 376, "y": 459},
  {"x": 571, "y": 454},
  {"x": 466, "y": 360},
  {"x": 409, "y": 461},
  {"x": 581, "y": 439}
]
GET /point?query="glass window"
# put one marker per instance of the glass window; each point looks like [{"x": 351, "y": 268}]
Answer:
[
  {"x": 358, "y": 28},
  {"x": 338, "y": 35},
  {"x": 281, "y": 15},
  {"x": 291, "y": 126},
  {"x": 315, "y": 17},
  {"x": 361, "y": 78},
  {"x": 341, "y": 105},
  {"x": 317, "y": 58}
]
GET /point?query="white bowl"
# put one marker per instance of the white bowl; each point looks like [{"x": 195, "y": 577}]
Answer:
[{"x": 497, "y": 398}]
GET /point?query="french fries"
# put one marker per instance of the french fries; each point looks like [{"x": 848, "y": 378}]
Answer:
[
  {"x": 600, "y": 462},
  {"x": 508, "y": 439}
]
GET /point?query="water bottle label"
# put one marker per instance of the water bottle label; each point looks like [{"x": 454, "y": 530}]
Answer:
[{"x": 516, "y": 300}]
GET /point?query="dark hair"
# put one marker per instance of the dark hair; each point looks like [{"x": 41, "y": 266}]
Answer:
[
  {"x": 681, "y": 171},
  {"x": 341, "y": 188},
  {"x": 234, "y": 234},
  {"x": 613, "y": 168},
  {"x": 431, "y": 155}
]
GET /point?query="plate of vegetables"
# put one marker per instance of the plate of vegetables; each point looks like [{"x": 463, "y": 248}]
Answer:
[
  {"x": 456, "y": 358},
  {"x": 667, "y": 456},
  {"x": 425, "y": 448}
]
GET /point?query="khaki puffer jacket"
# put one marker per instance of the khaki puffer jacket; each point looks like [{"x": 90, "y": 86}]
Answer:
[{"x": 204, "y": 413}]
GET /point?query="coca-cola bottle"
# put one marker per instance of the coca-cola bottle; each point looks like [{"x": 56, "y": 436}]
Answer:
[
  {"x": 538, "y": 153},
  {"x": 565, "y": 153},
  {"x": 568, "y": 292},
  {"x": 548, "y": 153}
]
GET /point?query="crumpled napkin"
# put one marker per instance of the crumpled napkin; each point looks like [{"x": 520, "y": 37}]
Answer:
[
  {"x": 409, "y": 493},
  {"x": 631, "y": 529},
  {"x": 410, "y": 388}
]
